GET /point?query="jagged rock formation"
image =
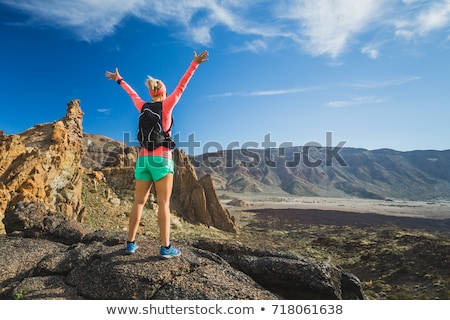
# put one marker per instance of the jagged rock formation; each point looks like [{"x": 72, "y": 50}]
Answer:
[
  {"x": 46, "y": 164},
  {"x": 43, "y": 164},
  {"x": 197, "y": 199},
  {"x": 65, "y": 260},
  {"x": 103, "y": 152}
]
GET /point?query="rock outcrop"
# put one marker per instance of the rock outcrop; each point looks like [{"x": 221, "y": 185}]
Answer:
[
  {"x": 43, "y": 164},
  {"x": 65, "y": 260},
  {"x": 196, "y": 199},
  {"x": 47, "y": 162},
  {"x": 193, "y": 199},
  {"x": 103, "y": 152},
  {"x": 238, "y": 203}
]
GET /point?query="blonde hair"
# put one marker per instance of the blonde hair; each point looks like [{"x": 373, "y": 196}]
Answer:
[{"x": 153, "y": 84}]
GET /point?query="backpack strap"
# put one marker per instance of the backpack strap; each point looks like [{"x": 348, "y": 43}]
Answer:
[{"x": 171, "y": 122}]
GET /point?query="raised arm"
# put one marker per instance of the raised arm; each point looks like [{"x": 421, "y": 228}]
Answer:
[
  {"x": 173, "y": 98},
  {"x": 138, "y": 102}
]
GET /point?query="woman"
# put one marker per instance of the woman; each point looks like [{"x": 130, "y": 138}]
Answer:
[{"x": 156, "y": 166}]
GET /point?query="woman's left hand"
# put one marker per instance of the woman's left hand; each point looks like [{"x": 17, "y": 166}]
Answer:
[{"x": 202, "y": 57}]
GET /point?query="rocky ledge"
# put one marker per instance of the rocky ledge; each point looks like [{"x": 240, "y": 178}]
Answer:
[{"x": 48, "y": 256}]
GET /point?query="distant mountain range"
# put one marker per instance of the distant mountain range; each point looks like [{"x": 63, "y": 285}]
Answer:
[
  {"x": 307, "y": 171},
  {"x": 311, "y": 171}
]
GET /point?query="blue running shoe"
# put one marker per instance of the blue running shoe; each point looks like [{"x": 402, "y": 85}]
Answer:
[
  {"x": 170, "y": 252},
  {"x": 131, "y": 247}
]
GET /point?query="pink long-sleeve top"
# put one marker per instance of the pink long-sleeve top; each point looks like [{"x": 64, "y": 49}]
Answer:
[{"x": 167, "y": 106}]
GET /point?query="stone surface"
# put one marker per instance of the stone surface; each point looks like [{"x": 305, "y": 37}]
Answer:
[{"x": 55, "y": 265}]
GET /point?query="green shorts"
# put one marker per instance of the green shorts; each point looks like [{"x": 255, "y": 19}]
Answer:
[{"x": 153, "y": 168}]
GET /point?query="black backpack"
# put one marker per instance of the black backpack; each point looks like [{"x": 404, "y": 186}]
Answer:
[{"x": 151, "y": 134}]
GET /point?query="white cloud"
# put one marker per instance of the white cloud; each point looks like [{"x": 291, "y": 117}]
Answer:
[
  {"x": 104, "y": 111},
  {"x": 428, "y": 17},
  {"x": 319, "y": 27},
  {"x": 257, "y": 45},
  {"x": 223, "y": 95},
  {"x": 274, "y": 92},
  {"x": 352, "y": 101},
  {"x": 279, "y": 92},
  {"x": 435, "y": 17},
  {"x": 404, "y": 33},
  {"x": 382, "y": 84},
  {"x": 329, "y": 27},
  {"x": 355, "y": 101},
  {"x": 369, "y": 85},
  {"x": 90, "y": 20},
  {"x": 371, "y": 51}
]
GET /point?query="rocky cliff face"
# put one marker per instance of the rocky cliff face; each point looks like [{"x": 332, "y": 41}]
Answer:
[{"x": 43, "y": 164}]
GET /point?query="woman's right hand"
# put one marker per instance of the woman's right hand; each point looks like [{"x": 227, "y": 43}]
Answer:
[{"x": 113, "y": 76}]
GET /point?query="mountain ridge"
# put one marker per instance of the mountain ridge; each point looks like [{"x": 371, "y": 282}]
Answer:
[
  {"x": 348, "y": 172},
  {"x": 381, "y": 174}
]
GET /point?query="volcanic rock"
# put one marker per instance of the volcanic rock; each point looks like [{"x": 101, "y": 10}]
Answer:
[{"x": 43, "y": 164}]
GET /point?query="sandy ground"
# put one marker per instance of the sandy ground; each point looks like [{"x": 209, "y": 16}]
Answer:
[{"x": 400, "y": 208}]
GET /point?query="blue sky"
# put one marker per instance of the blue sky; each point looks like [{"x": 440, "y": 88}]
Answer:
[{"x": 375, "y": 73}]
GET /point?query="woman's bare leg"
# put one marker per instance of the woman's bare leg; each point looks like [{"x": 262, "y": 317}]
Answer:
[
  {"x": 140, "y": 198},
  {"x": 163, "y": 194}
]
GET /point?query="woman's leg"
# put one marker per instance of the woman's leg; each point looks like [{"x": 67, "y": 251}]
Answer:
[
  {"x": 163, "y": 194},
  {"x": 140, "y": 198}
]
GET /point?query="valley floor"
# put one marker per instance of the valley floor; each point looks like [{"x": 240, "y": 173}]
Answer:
[
  {"x": 398, "y": 249},
  {"x": 439, "y": 209}
]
